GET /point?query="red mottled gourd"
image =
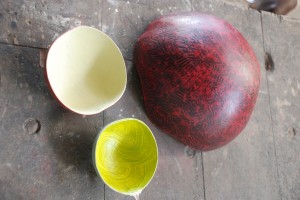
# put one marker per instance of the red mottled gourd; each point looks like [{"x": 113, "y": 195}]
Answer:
[{"x": 200, "y": 78}]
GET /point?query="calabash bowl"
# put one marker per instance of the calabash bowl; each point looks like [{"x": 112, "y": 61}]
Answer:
[
  {"x": 125, "y": 156},
  {"x": 86, "y": 70}
]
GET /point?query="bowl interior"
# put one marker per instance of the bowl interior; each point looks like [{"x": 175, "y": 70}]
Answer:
[
  {"x": 126, "y": 156},
  {"x": 86, "y": 70}
]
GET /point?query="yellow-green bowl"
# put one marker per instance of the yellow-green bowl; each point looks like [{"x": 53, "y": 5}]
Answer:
[{"x": 125, "y": 155}]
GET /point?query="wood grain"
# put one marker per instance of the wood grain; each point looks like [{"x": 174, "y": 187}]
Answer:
[
  {"x": 39, "y": 23},
  {"x": 282, "y": 43},
  {"x": 53, "y": 161}
]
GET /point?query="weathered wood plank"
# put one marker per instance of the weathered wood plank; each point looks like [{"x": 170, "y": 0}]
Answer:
[
  {"x": 178, "y": 176},
  {"x": 125, "y": 20},
  {"x": 39, "y": 23},
  {"x": 246, "y": 168},
  {"x": 56, "y": 162},
  {"x": 282, "y": 42}
]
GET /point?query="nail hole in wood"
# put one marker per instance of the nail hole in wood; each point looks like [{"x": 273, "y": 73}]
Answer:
[
  {"x": 31, "y": 126},
  {"x": 269, "y": 63},
  {"x": 189, "y": 152},
  {"x": 292, "y": 132}
]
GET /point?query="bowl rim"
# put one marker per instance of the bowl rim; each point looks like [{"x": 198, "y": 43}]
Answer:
[
  {"x": 94, "y": 153},
  {"x": 49, "y": 82}
]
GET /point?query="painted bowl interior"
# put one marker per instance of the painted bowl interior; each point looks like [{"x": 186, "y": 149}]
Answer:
[
  {"x": 126, "y": 156},
  {"x": 86, "y": 70}
]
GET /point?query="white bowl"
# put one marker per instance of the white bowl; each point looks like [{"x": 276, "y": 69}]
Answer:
[{"x": 86, "y": 70}]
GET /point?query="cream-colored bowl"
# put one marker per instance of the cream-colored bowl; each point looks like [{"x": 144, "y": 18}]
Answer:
[{"x": 86, "y": 70}]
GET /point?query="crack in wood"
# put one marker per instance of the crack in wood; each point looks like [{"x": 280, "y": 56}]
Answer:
[
  {"x": 203, "y": 176},
  {"x": 270, "y": 110}
]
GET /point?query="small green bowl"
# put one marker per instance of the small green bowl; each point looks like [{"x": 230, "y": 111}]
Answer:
[{"x": 125, "y": 156}]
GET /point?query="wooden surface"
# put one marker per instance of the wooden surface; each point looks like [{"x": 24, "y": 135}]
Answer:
[
  {"x": 38, "y": 23},
  {"x": 283, "y": 43},
  {"x": 55, "y": 163}
]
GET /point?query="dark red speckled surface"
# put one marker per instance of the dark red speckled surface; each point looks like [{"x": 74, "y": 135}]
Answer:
[{"x": 200, "y": 78}]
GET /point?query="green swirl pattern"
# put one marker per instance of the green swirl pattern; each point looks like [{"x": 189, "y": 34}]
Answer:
[{"x": 126, "y": 156}]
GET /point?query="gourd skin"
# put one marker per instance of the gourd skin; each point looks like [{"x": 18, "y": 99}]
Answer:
[{"x": 200, "y": 78}]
